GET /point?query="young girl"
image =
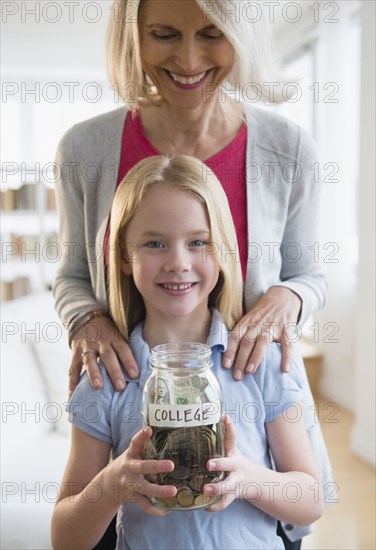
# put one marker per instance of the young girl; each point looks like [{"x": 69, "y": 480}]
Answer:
[{"x": 174, "y": 277}]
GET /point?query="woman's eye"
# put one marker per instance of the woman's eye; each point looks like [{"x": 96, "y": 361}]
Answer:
[
  {"x": 213, "y": 35},
  {"x": 154, "y": 244},
  {"x": 164, "y": 37}
]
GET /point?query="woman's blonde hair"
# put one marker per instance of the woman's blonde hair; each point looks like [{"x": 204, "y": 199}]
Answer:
[
  {"x": 247, "y": 31},
  {"x": 191, "y": 176}
]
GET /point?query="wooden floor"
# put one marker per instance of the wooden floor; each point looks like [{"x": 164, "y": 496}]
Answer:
[{"x": 350, "y": 523}]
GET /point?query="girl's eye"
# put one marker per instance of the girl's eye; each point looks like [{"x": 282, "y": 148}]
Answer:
[
  {"x": 154, "y": 244},
  {"x": 198, "y": 243}
]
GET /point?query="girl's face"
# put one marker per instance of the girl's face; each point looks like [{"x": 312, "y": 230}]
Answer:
[
  {"x": 182, "y": 52},
  {"x": 171, "y": 263}
]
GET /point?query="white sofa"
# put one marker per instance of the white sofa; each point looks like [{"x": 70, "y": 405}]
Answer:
[{"x": 34, "y": 430}]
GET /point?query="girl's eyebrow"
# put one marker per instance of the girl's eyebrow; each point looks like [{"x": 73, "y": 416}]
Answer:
[{"x": 201, "y": 232}]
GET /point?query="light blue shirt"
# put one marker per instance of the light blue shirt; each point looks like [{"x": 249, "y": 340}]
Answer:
[{"x": 115, "y": 417}]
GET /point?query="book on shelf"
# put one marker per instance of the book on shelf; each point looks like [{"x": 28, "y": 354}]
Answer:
[
  {"x": 25, "y": 198},
  {"x": 23, "y": 246},
  {"x": 10, "y": 290}
]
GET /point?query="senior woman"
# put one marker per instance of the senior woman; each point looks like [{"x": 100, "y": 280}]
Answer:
[{"x": 185, "y": 69}]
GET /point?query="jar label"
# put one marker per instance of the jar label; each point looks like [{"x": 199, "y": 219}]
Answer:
[{"x": 179, "y": 416}]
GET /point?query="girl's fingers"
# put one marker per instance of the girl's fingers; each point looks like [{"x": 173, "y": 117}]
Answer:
[
  {"x": 149, "y": 507},
  {"x": 145, "y": 467},
  {"x": 138, "y": 441},
  {"x": 157, "y": 491}
]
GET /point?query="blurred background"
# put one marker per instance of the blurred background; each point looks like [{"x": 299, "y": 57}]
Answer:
[{"x": 53, "y": 76}]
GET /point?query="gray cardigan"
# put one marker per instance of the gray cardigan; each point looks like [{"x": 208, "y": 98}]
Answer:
[{"x": 283, "y": 209}]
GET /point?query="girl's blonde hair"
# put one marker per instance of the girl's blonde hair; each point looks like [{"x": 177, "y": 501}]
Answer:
[
  {"x": 191, "y": 176},
  {"x": 247, "y": 31}
]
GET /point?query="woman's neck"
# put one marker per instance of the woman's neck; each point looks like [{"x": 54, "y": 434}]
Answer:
[
  {"x": 193, "y": 328},
  {"x": 200, "y": 132}
]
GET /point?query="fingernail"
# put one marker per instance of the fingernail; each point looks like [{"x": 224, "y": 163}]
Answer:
[
  {"x": 212, "y": 464},
  {"x": 209, "y": 489},
  {"x": 238, "y": 375},
  {"x": 250, "y": 368},
  {"x": 227, "y": 363},
  {"x": 133, "y": 373},
  {"x": 119, "y": 384},
  {"x": 97, "y": 383},
  {"x": 287, "y": 367}
]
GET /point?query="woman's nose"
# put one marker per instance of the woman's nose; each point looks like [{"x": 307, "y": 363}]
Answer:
[
  {"x": 177, "y": 260},
  {"x": 188, "y": 56}
]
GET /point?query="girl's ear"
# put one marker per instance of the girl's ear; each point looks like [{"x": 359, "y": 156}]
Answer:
[
  {"x": 126, "y": 267},
  {"x": 127, "y": 257}
]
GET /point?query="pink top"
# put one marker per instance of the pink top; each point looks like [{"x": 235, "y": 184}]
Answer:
[{"x": 228, "y": 165}]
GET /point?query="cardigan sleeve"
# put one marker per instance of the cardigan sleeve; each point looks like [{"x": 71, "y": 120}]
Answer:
[
  {"x": 87, "y": 161},
  {"x": 73, "y": 290},
  {"x": 300, "y": 270}
]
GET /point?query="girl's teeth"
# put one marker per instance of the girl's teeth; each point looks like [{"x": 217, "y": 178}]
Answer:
[
  {"x": 177, "y": 287},
  {"x": 187, "y": 80}
]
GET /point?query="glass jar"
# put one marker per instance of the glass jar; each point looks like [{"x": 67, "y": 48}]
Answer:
[{"x": 182, "y": 402}]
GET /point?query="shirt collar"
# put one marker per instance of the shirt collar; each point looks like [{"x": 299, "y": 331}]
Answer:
[{"x": 217, "y": 338}]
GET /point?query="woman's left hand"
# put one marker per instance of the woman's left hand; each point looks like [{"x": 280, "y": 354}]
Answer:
[{"x": 271, "y": 319}]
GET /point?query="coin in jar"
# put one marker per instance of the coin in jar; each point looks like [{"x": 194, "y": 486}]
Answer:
[
  {"x": 185, "y": 497},
  {"x": 196, "y": 482},
  {"x": 167, "y": 502},
  {"x": 204, "y": 500}
]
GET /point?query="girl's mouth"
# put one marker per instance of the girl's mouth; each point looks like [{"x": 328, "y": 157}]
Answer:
[{"x": 177, "y": 288}]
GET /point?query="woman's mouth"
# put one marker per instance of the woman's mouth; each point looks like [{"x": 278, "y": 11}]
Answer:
[{"x": 187, "y": 81}]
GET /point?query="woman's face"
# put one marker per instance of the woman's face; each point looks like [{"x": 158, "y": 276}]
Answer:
[{"x": 182, "y": 52}]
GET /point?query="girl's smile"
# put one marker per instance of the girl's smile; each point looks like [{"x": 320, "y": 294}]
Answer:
[{"x": 172, "y": 266}]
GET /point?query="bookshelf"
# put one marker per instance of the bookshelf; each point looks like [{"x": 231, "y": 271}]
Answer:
[{"x": 29, "y": 249}]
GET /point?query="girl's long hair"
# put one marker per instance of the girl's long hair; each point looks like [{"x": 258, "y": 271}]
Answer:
[{"x": 189, "y": 175}]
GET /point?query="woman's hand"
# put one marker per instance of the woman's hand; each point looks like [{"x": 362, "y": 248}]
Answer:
[
  {"x": 271, "y": 319},
  {"x": 101, "y": 338},
  {"x": 132, "y": 468},
  {"x": 235, "y": 464}
]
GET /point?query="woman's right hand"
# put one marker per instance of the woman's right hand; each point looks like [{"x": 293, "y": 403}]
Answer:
[{"x": 101, "y": 338}]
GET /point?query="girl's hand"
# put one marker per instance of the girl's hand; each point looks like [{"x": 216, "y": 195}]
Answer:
[
  {"x": 131, "y": 469},
  {"x": 236, "y": 464},
  {"x": 271, "y": 319},
  {"x": 101, "y": 338}
]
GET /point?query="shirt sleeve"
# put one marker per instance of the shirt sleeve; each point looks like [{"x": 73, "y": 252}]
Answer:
[
  {"x": 279, "y": 390},
  {"x": 90, "y": 410}
]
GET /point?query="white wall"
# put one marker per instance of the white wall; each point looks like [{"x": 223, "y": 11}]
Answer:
[
  {"x": 66, "y": 37},
  {"x": 363, "y": 437},
  {"x": 332, "y": 32}
]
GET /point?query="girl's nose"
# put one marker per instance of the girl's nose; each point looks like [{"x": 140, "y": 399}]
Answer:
[
  {"x": 188, "y": 56},
  {"x": 178, "y": 261}
]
